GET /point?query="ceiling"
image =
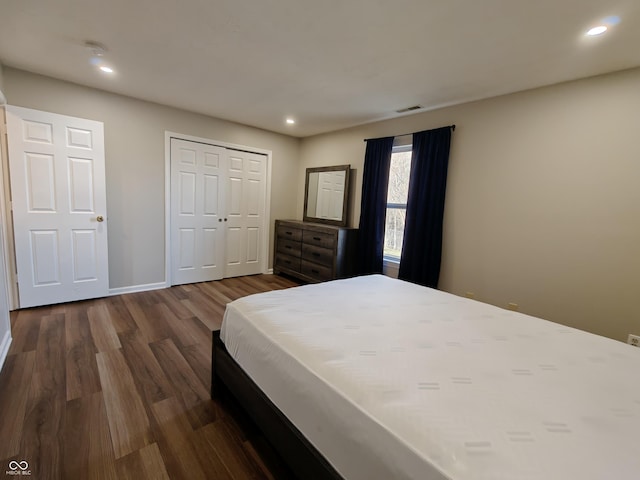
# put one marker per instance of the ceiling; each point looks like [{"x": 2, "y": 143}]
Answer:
[{"x": 329, "y": 64}]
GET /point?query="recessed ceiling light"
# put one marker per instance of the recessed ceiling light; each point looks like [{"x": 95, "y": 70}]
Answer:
[
  {"x": 290, "y": 121},
  {"x": 599, "y": 30},
  {"x": 106, "y": 69}
]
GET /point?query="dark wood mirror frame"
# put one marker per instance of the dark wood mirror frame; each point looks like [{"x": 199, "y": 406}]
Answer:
[{"x": 345, "y": 200}]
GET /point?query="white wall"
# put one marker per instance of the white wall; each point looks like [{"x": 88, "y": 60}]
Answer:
[
  {"x": 135, "y": 161},
  {"x": 543, "y": 198}
]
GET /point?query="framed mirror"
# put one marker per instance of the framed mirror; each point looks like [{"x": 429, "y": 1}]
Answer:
[{"x": 326, "y": 195}]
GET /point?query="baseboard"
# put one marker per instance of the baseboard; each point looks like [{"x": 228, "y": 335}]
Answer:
[
  {"x": 4, "y": 347},
  {"x": 137, "y": 288},
  {"x": 148, "y": 287}
]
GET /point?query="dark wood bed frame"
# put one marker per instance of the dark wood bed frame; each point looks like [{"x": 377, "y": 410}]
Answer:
[{"x": 302, "y": 458}]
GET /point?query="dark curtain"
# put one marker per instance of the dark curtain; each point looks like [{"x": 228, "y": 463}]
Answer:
[
  {"x": 422, "y": 244},
  {"x": 375, "y": 182}
]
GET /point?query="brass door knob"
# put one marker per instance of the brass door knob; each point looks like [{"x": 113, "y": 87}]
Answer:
[{"x": 100, "y": 218}]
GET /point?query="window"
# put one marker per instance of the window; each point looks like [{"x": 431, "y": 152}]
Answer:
[{"x": 397, "y": 201}]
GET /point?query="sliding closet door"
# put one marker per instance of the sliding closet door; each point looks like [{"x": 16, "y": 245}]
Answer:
[
  {"x": 245, "y": 205},
  {"x": 197, "y": 211}
]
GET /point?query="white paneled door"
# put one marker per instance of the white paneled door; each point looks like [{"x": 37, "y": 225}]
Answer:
[
  {"x": 197, "y": 218},
  {"x": 218, "y": 198},
  {"x": 330, "y": 195},
  {"x": 245, "y": 205},
  {"x": 58, "y": 195}
]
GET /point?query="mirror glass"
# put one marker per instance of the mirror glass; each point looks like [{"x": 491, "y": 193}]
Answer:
[{"x": 326, "y": 194}]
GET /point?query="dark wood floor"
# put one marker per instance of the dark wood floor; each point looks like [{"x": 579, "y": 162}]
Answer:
[{"x": 119, "y": 388}]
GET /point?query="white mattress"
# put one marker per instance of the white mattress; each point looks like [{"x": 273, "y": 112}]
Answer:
[{"x": 390, "y": 380}]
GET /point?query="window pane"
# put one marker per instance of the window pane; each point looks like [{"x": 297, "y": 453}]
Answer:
[
  {"x": 394, "y": 232},
  {"x": 399, "y": 177}
]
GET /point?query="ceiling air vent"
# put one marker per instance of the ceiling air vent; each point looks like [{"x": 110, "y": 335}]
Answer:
[{"x": 409, "y": 109}]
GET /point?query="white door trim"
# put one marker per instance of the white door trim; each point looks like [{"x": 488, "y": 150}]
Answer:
[
  {"x": 8, "y": 252},
  {"x": 167, "y": 195}
]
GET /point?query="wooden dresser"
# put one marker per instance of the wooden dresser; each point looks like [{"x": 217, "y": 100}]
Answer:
[{"x": 314, "y": 252}]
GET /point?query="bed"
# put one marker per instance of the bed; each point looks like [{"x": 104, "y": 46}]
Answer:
[{"x": 376, "y": 378}]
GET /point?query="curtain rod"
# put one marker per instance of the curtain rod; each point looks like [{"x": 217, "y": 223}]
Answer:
[{"x": 452, "y": 127}]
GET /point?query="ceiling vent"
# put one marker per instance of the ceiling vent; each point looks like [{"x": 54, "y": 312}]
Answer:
[{"x": 409, "y": 109}]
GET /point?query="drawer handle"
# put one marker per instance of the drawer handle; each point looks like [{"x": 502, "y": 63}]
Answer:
[
  {"x": 317, "y": 238},
  {"x": 288, "y": 262},
  {"x": 315, "y": 271},
  {"x": 288, "y": 233},
  {"x": 315, "y": 254},
  {"x": 288, "y": 247}
]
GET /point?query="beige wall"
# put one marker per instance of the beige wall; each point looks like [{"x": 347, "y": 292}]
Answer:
[
  {"x": 543, "y": 198},
  {"x": 135, "y": 162}
]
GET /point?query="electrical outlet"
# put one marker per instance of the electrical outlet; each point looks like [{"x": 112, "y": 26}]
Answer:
[
  {"x": 513, "y": 306},
  {"x": 633, "y": 340}
]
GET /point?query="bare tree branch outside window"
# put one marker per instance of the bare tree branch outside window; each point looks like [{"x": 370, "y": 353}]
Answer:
[{"x": 397, "y": 202}]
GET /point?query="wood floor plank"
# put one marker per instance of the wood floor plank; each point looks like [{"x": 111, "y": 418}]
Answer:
[
  {"x": 88, "y": 447},
  {"x": 15, "y": 382},
  {"x": 176, "y": 445},
  {"x": 232, "y": 455},
  {"x": 172, "y": 301},
  {"x": 150, "y": 323},
  {"x": 77, "y": 330},
  {"x": 196, "y": 398},
  {"x": 208, "y": 312},
  {"x": 251, "y": 453},
  {"x": 103, "y": 332},
  {"x": 150, "y": 380},
  {"x": 82, "y": 376},
  {"x": 198, "y": 356},
  {"x": 144, "y": 464},
  {"x": 226, "y": 288},
  {"x": 128, "y": 421},
  {"x": 42, "y": 443},
  {"x": 25, "y": 330},
  {"x": 119, "y": 315},
  {"x": 184, "y": 330},
  {"x": 213, "y": 291}
]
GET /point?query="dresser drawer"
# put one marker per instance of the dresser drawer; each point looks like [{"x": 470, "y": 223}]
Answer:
[
  {"x": 323, "y": 256},
  {"x": 287, "y": 261},
  {"x": 319, "y": 239},
  {"x": 289, "y": 247},
  {"x": 315, "y": 271},
  {"x": 290, "y": 233}
]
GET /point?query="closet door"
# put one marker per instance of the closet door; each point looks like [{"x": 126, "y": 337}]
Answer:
[
  {"x": 198, "y": 180},
  {"x": 245, "y": 206}
]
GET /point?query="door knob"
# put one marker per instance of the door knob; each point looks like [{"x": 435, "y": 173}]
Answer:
[{"x": 100, "y": 218}]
